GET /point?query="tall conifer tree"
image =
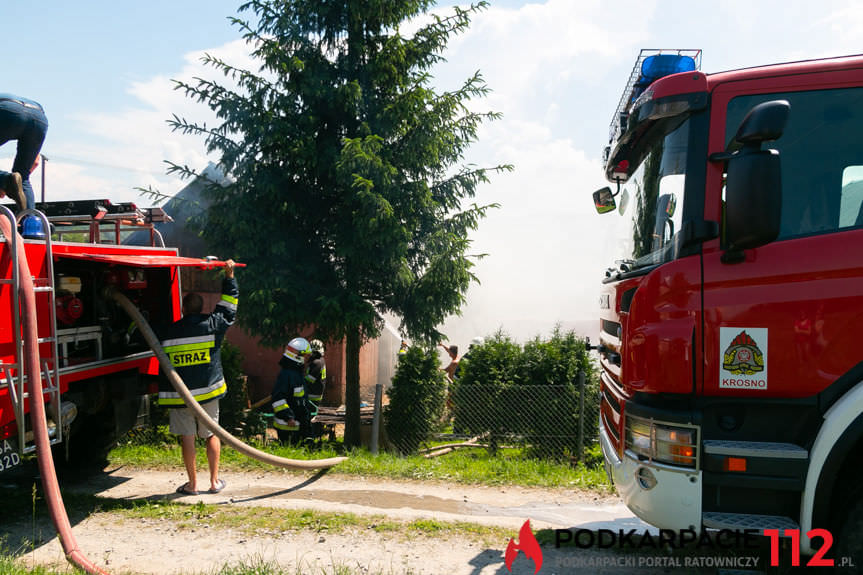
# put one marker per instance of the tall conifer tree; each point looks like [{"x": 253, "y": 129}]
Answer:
[{"x": 350, "y": 196}]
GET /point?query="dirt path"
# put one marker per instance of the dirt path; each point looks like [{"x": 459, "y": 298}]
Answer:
[{"x": 159, "y": 546}]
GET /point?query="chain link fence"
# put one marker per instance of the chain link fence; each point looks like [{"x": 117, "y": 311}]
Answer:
[{"x": 545, "y": 421}]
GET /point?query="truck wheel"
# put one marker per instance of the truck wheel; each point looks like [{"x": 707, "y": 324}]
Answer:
[
  {"x": 93, "y": 435},
  {"x": 848, "y": 541},
  {"x": 89, "y": 442}
]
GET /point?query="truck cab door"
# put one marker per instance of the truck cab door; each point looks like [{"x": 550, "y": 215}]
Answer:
[{"x": 781, "y": 320}]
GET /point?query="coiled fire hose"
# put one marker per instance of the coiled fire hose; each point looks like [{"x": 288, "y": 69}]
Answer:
[
  {"x": 37, "y": 411},
  {"x": 184, "y": 392}
]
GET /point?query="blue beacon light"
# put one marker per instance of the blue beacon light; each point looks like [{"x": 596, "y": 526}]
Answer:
[{"x": 31, "y": 228}]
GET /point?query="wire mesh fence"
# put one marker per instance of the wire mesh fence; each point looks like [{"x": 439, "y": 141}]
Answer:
[{"x": 547, "y": 421}]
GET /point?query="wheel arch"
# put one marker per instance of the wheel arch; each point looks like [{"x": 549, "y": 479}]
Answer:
[{"x": 838, "y": 440}]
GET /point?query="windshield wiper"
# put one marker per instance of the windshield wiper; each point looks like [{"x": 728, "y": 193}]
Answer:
[{"x": 624, "y": 265}]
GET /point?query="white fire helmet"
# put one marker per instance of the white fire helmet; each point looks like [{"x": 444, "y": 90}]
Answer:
[
  {"x": 317, "y": 345},
  {"x": 297, "y": 348}
]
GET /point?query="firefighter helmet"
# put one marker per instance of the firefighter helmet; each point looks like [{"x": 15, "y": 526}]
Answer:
[
  {"x": 297, "y": 348},
  {"x": 317, "y": 345}
]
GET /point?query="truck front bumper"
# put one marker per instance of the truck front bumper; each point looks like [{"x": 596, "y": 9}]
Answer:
[{"x": 669, "y": 499}]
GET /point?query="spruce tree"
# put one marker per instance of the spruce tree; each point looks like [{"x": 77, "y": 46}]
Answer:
[{"x": 350, "y": 196}]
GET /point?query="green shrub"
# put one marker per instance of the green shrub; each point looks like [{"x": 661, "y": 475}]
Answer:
[
  {"x": 527, "y": 394},
  {"x": 483, "y": 402},
  {"x": 552, "y": 419},
  {"x": 593, "y": 458},
  {"x": 416, "y": 399}
]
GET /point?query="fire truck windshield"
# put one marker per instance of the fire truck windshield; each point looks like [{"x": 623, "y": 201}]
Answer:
[{"x": 651, "y": 201}]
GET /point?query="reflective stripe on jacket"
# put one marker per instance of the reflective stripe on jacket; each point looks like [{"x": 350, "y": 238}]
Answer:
[{"x": 282, "y": 413}]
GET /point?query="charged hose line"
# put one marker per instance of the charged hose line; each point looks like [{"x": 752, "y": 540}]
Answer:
[
  {"x": 38, "y": 419},
  {"x": 184, "y": 392}
]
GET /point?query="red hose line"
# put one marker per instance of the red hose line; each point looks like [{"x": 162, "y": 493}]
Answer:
[{"x": 37, "y": 412}]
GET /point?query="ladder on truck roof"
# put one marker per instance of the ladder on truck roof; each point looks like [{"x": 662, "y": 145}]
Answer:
[
  {"x": 91, "y": 216},
  {"x": 13, "y": 376}
]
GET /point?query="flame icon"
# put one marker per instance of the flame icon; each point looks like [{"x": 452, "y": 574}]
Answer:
[{"x": 527, "y": 543}]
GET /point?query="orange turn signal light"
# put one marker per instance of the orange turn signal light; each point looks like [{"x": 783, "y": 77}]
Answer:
[{"x": 735, "y": 464}]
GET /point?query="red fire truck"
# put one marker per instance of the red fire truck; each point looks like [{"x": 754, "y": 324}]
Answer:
[
  {"x": 97, "y": 371},
  {"x": 731, "y": 373}
]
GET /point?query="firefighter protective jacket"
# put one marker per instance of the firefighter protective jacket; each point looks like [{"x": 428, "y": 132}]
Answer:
[
  {"x": 316, "y": 378},
  {"x": 289, "y": 396},
  {"x": 193, "y": 345}
]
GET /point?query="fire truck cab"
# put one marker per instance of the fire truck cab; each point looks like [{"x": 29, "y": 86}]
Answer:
[{"x": 731, "y": 374}]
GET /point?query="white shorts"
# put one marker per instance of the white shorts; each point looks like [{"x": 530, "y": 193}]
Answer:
[{"x": 183, "y": 420}]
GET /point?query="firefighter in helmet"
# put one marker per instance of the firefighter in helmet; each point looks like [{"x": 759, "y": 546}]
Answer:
[
  {"x": 316, "y": 381},
  {"x": 290, "y": 410}
]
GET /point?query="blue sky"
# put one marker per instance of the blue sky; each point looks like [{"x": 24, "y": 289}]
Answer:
[{"x": 102, "y": 70}]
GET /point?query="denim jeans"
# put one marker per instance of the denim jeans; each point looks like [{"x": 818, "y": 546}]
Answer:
[{"x": 23, "y": 120}]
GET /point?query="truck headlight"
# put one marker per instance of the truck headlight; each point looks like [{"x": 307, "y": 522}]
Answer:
[{"x": 662, "y": 442}]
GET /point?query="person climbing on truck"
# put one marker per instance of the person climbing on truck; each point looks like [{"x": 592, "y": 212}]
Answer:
[{"x": 23, "y": 120}]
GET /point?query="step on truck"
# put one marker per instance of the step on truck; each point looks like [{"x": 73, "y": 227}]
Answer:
[
  {"x": 731, "y": 313},
  {"x": 97, "y": 371}
]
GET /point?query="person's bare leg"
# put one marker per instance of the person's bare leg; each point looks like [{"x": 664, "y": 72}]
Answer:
[
  {"x": 187, "y": 444},
  {"x": 214, "y": 451}
]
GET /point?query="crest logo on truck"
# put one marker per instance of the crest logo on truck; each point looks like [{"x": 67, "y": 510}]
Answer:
[{"x": 744, "y": 359}]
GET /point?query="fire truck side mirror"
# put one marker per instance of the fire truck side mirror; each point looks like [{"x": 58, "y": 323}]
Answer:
[
  {"x": 753, "y": 200},
  {"x": 603, "y": 200},
  {"x": 763, "y": 123},
  {"x": 753, "y": 184}
]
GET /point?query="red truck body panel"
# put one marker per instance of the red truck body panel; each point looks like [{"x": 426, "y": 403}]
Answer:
[{"x": 109, "y": 260}]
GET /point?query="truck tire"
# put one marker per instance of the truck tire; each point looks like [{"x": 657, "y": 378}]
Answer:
[
  {"x": 89, "y": 442},
  {"x": 94, "y": 435},
  {"x": 848, "y": 540}
]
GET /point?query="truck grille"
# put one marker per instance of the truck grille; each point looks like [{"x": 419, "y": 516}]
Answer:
[
  {"x": 610, "y": 411},
  {"x": 612, "y": 328}
]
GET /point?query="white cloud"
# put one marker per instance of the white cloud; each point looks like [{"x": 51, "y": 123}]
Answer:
[
  {"x": 556, "y": 70},
  {"x": 110, "y": 154}
]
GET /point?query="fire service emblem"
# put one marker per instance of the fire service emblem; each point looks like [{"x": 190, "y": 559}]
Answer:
[
  {"x": 744, "y": 359},
  {"x": 743, "y": 356}
]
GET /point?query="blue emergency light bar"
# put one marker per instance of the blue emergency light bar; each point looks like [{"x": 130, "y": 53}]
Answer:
[{"x": 650, "y": 66}]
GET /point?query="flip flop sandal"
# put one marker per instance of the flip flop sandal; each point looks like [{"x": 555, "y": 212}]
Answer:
[
  {"x": 184, "y": 490},
  {"x": 221, "y": 485}
]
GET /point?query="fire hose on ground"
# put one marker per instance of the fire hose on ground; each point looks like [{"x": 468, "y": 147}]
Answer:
[{"x": 184, "y": 392}]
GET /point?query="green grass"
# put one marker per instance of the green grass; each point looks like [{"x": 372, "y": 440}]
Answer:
[
  {"x": 9, "y": 566},
  {"x": 248, "y": 566},
  {"x": 251, "y": 522},
  {"x": 261, "y": 521},
  {"x": 468, "y": 466}
]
